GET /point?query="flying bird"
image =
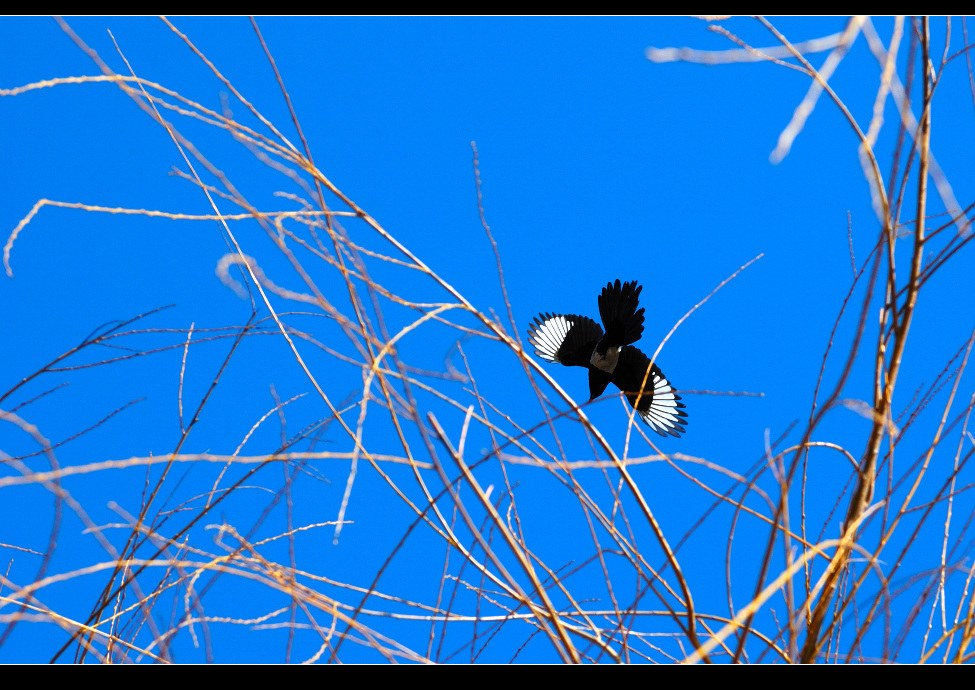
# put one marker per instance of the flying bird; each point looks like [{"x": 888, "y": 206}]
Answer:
[{"x": 610, "y": 356}]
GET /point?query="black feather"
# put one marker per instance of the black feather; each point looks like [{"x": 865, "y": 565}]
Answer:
[{"x": 621, "y": 318}]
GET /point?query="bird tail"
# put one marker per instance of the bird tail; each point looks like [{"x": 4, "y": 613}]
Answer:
[{"x": 618, "y": 310}]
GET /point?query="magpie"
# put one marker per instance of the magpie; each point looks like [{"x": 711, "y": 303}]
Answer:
[{"x": 610, "y": 356}]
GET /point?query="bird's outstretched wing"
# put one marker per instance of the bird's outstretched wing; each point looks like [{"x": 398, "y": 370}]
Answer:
[
  {"x": 658, "y": 404},
  {"x": 618, "y": 310},
  {"x": 565, "y": 338}
]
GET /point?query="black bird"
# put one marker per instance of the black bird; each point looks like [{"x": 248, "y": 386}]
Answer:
[{"x": 610, "y": 356}]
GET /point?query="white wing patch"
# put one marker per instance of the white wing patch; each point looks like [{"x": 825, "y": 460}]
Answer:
[
  {"x": 663, "y": 416},
  {"x": 548, "y": 336}
]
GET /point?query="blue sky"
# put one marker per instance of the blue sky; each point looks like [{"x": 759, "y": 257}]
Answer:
[{"x": 595, "y": 163}]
